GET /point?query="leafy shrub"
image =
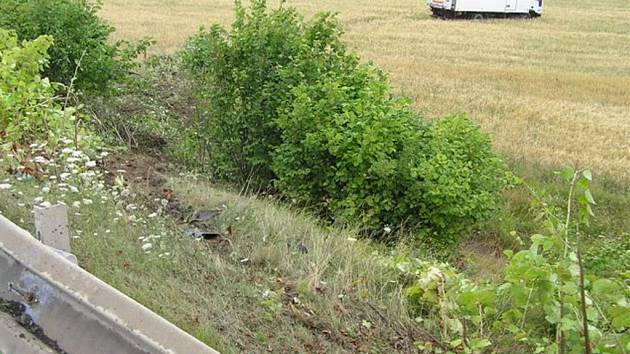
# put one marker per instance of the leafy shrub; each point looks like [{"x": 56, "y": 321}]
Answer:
[
  {"x": 543, "y": 305},
  {"x": 287, "y": 105},
  {"x": 81, "y": 38},
  {"x": 29, "y": 111},
  {"x": 342, "y": 143},
  {"x": 247, "y": 76},
  {"x": 360, "y": 156},
  {"x": 452, "y": 176},
  {"x": 523, "y": 312}
]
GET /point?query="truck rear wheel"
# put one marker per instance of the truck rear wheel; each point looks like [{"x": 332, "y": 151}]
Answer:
[{"x": 478, "y": 17}]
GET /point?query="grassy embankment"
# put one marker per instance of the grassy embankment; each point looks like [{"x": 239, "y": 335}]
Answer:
[
  {"x": 552, "y": 91},
  {"x": 276, "y": 281}
]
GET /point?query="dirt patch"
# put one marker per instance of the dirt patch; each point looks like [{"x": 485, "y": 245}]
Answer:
[
  {"x": 147, "y": 175},
  {"x": 18, "y": 312}
]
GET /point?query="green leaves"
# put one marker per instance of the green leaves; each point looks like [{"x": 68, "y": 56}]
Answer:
[
  {"x": 601, "y": 287},
  {"x": 82, "y": 45},
  {"x": 620, "y": 316},
  {"x": 290, "y": 108},
  {"x": 27, "y": 112},
  {"x": 567, "y": 173}
]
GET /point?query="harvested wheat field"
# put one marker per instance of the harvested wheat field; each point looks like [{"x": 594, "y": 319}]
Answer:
[{"x": 553, "y": 90}]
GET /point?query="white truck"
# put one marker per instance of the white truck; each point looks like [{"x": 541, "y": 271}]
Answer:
[{"x": 480, "y": 9}]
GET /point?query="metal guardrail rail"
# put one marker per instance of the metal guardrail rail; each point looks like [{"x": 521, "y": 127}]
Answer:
[{"x": 72, "y": 309}]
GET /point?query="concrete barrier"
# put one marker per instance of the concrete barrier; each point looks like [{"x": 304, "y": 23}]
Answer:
[{"x": 76, "y": 311}]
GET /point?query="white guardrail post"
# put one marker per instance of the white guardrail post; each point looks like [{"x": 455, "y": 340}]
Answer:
[{"x": 74, "y": 312}]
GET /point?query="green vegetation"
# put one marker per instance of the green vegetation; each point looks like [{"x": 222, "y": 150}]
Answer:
[
  {"x": 281, "y": 110},
  {"x": 30, "y": 113},
  {"x": 545, "y": 290},
  {"x": 82, "y": 55},
  {"x": 290, "y": 106}
]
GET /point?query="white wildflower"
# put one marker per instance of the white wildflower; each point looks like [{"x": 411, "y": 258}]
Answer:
[
  {"x": 387, "y": 229},
  {"x": 147, "y": 246},
  {"x": 45, "y": 190},
  {"x": 5, "y": 186},
  {"x": 40, "y": 159},
  {"x": 152, "y": 215},
  {"x": 90, "y": 164},
  {"x": 87, "y": 201},
  {"x": 76, "y": 204}
]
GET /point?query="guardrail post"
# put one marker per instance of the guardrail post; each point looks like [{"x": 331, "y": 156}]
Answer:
[{"x": 51, "y": 224}]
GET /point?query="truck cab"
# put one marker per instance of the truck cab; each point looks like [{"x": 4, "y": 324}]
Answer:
[{"x": 536, "y": 7}]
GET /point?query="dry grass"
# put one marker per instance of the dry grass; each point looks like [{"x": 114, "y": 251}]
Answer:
[
  {"x": 277, "y": 280},
  {"x": 553, "y": 90}
]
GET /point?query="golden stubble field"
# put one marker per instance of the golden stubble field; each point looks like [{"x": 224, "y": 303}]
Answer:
[{"x": 554, "y": 90}]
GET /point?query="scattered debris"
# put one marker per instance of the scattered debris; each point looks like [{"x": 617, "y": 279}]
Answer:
[
  {"x": 205, "y": 235},
  {"x": 204, "y": 216}
]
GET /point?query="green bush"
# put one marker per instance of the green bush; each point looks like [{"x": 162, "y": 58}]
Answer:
[
  {"x": 29, "y": 112},
  {"x": 288, "y": 106},
  {"x": 81, "y": 37},
  {"x": 24, "y": 109},
  {"x": 247, "y": 77},
  {"x": 371, "y": 160},
  {"x": 343, "y": 141},
  {"x": 453, "y": 178}
]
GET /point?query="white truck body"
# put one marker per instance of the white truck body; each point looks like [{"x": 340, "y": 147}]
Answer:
[{"x": 456, "y": 8}]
